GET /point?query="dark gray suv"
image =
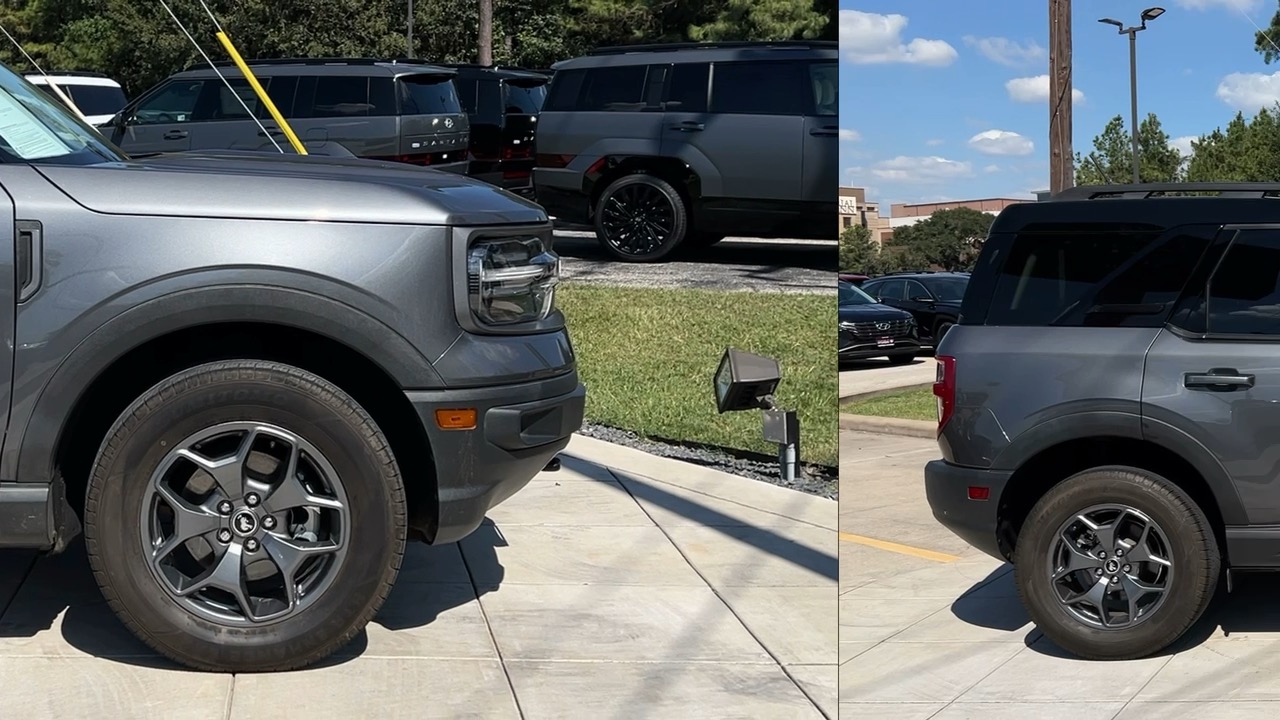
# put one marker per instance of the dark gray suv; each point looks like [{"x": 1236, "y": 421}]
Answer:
[
  {"x": 1110, "y": 407},
  {"x": 251, "y": 377},
  {"x": 662, "y": 145},
  {"x": 400, "y": 111}
]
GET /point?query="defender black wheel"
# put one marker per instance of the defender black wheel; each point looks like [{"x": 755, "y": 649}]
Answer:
[
  {"x": 641, "y": 218},
  {"x": 901, "y": 359},
  {"x": 1116, "y": 563},
  {"x": 245, "y": 516}
]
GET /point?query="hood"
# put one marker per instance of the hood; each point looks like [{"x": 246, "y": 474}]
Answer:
[
  {"x": 867, "y": 313},
  {"x": 273, "y": 186}
]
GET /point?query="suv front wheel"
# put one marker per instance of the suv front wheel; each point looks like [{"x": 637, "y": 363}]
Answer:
[
  {"x": 245, "y": 516},
  {"x": 641, "y": 218},
  {"x": 1116, "y": 563}
]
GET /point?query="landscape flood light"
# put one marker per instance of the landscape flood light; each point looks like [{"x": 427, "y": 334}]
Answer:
[{"x": 745, "y": 381}]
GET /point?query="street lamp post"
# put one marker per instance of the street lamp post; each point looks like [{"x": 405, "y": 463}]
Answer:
[{"x": 1147, "y": 15}]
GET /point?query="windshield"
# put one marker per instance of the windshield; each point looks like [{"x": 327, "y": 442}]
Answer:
[
  {"x": 524, "y": 99},
  {"x": 851, "y": 295},
  {"x": 36, "y": 128},
  {"x": 950, "y": 290}
]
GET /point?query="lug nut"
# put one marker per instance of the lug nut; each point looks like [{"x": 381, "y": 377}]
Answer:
[
  {"x": 1098, "y": 572},
  {"x": 224, "y": 535},
  {"x": 1114, "y": 579},
  {"x": 1119, "y": 552},
  {"x": 269, "y": 523},
  {"x": 1126, "y": 568},
  {"x": 1102, "y": 553},
  {"x": 225, "y": 507},
  {"x": 251, "y": 545},
  {"x": 252, "y": 499}
]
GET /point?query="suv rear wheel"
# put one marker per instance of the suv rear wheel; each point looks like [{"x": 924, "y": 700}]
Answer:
[
  {"x": 641, "y": 218},
  {"x": 245, "y": 516},
  {"x": 1116, "y": 563}
]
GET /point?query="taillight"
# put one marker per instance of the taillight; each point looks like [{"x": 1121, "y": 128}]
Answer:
[
  {"x": 554, "y": 161},
  {"x": 944, "y": 389},
  {"x": 516, "y": 152}
]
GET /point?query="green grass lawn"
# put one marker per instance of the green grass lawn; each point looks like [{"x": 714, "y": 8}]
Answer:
[
  {"x": 647, "y": 356},
  {"x": 908, "y": 405}
]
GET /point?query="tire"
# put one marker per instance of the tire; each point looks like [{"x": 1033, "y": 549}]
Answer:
[
  {"x": 901, "y": 359},
  {"x": 640, "y": 202},
  {"x": 940, "y": 332},
  {"x": 1180, "y": 528},
  {"x": 346, "y": 462}
]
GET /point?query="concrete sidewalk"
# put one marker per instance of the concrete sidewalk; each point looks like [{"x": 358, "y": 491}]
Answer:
[
  {"x": 623, "y": 586},
  {"x": 866, "y": 377}
]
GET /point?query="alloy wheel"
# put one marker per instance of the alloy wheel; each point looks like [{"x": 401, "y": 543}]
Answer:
[{"x": 638, "y": 219}]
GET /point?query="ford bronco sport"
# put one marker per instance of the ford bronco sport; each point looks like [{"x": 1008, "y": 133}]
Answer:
[
  {"x": 1109, "y": 405},
  {"x": 251, "y": 377}
]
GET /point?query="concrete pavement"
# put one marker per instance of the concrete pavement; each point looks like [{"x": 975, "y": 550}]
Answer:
[
  {"x": 865, "y": 377},
  {"x": 930, "y": 628},
  {"x": 623, "y": 586}
]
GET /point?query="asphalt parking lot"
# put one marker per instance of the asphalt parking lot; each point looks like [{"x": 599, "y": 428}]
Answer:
[
  {"x": 930, "y": 628},
  {"x": 807, "y": 266},
  {"x": 623, "y": 586}
]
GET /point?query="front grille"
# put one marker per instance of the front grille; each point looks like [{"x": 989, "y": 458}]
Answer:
[{"x": 876, "y": 329}]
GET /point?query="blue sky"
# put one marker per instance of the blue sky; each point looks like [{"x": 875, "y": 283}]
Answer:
[{"x": 949, "y": 100}]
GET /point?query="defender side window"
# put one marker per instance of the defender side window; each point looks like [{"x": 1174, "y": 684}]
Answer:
[
  {"x": 759, "y": 88},
  {"x": 174, "y": 103},
  {"x": 1244, "y": 292}
]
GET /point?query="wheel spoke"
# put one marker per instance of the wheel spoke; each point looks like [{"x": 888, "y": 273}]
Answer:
[
  {"x": 189, "y": 520},
  {"x": 1077, "y": 559},
  {"x": 1106, "y": 534},
  {"x": 289, "y": 493},
  {"x": 289, "y": 555},
  {"x": 228, "y": 472},
  {"x": 1093, "y": 596},
  {"x": 227, "y": 575},
  {"x": 1135, "y": 590}
]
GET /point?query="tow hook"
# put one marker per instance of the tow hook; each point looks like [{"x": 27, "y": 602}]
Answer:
[{"x": 553, "y": 466}]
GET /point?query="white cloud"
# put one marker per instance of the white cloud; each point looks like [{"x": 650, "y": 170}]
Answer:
[
  {"x": 850, "y": 135},
  {"x": 1001, "y": 142},
  {"x": 928, "y": 169},
  {"x": 1245, "y": 5},
  {"x": 1250, "y": 91},
  {"x": 1036, "y": 89},
  {"x": 1006, "y": 51},
  {"x": 991, "y": 169},
  {"x": 1183, "y": 144},
  {"x": 870, "y": 38},
  {"x": 934, "y": 142}
]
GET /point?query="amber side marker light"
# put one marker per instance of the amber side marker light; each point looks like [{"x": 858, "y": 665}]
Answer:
[{"x": 456, "y": 419}]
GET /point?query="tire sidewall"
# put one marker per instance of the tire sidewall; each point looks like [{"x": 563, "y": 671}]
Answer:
[
  {"x": 1193, "y": 552},
  {"x": 373, "y": 539},
  {"x": 680, "y": 230}
]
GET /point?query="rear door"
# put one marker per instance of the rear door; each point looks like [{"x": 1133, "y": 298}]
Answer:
[
  {"x": 1214, "y": 373},
  {"x": 162, "y": 120},
  {"x": 822, "y": 134},
  {"x": 522, "y": 99},
  {"x": 222, "y": 123},
  {"x": 918, "y": 301},
  {"x": 432, "y": 120}
]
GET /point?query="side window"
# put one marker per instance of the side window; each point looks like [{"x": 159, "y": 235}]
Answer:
[
  {"x": 916, "y": 290},
  {"x": 227, "y": 106},
  {"x": 1244, "y": 293},
  {"x": 825, "y": 78},
  {"x": 892, "y": 290},
  {"x": 619, "y": 89},
  {"x": 336, "y": 96},
  {"x": 758, "y": 88},
  {"x": 466, "y": 93},
  {"x": 174, "y": 103},
  {"x": 382, "y": 97},
  {"x": 1091, "y": 278},
  {"x": 281, "y": 91},
  {"x": 566, "y": 86},
  {"x": 687, "y": 89}
]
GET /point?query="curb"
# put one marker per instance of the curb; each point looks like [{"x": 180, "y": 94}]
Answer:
[
  {"x": 884, "y": 391},
  {"x": 889, "y": 426}
]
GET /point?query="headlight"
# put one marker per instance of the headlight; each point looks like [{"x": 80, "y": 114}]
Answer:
[
  {"x": 511, "y": 280},
  {"x": 846, "y": 325}
]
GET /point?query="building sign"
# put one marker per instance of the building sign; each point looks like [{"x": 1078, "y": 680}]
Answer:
[{"x": 848, "y": 205}]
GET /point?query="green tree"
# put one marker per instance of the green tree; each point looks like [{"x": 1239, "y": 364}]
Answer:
[
  {"x": 858, "y": 253},
  {"x": 1246, "y": 151},
  {"x": 948, "y": 240},
  {"x": 1111, "y": 161}
]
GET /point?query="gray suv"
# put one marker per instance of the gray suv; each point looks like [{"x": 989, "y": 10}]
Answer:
[
  {"x": 662, "y": 145},
  {"x": 1110, "y": 407},
  {"x": 251, "y": 377},
  {"x": 400, "y": 111}
]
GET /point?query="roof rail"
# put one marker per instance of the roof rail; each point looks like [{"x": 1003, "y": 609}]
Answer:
[
  {"x": 765, "y": 44},
  {"x": 1146, "y": 190}
]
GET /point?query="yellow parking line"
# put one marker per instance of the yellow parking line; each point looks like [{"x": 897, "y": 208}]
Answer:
[{"x": 898, "y": 548}]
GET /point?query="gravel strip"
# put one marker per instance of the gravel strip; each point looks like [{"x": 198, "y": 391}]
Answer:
[{"x": 815, "y": 479}]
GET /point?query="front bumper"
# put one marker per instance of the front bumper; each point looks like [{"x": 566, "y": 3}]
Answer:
[
  {"x": 519, "y": 429},
  {"x": 858, "y": 348},
  {"x": 975, "y": 521}
]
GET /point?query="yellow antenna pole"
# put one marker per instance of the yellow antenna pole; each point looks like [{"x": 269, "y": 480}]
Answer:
[{"x": 262, "y": 94}]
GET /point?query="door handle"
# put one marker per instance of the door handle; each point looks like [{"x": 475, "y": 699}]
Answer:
[
  {"x": 29, "y": 256},
  {"x": 1218, "y": 379},
  {"x": 175, "y": 135},
  {"x": 273, "y": 132},
  {"x": 689, "y": 126},
  {"x": 825, "y": 132}
]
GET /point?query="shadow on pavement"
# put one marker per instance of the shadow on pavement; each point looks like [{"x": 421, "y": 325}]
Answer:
[
  {"x": 771, "y": 257},
  {"x": 1250, "y": 608},
  {"x": 34, "y": 592},
  {"x": 882, "y": 363}
]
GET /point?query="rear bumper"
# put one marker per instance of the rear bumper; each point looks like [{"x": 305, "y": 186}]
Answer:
[
  {"x": 560, "y": 193},
  {"x": 974, "y": 521},
  {"x": 519, "y": 429}
]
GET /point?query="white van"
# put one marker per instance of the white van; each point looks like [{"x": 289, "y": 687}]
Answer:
[{"x": 96, "y": 95}]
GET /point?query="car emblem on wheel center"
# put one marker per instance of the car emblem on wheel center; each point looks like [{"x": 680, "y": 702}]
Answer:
[
  {"x": 882, "y": 326},
  {"x": 244, "y": 523}
]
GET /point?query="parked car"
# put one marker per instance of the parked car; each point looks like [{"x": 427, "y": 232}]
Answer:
[
  {"x": 1109, "y": 407},
  {"x": 502, "y": 105},
  {"x": 933, "y": 298},
  {"x": 661, "y": 145},
  {"x": 94, "y": 94},
  {"x": 383, "y": 110},
  {"x": 870, "y": 330},
  {"x": 251, "y": 377}
]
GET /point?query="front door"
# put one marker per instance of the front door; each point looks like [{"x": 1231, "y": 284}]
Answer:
[
  {"x": 1214, "y": 372},
  {"x": 822, "y": 134},
  {"x": 161, "y": 121}
]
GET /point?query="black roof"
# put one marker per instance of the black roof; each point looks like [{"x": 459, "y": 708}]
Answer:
[
  {"x": 1149, "y": 207},
  {"x": 350, "y": 65},
  {"x": 702, "y": 52}
]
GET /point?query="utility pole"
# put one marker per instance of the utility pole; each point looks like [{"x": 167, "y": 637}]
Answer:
[
  {"x": 409, "y": 34},
  {"x": 1061, "y": 165},
  {"x": 486, "y": 32}
]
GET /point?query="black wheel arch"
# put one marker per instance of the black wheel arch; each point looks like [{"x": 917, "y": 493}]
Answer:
[{"x": 673, "y": 170}]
